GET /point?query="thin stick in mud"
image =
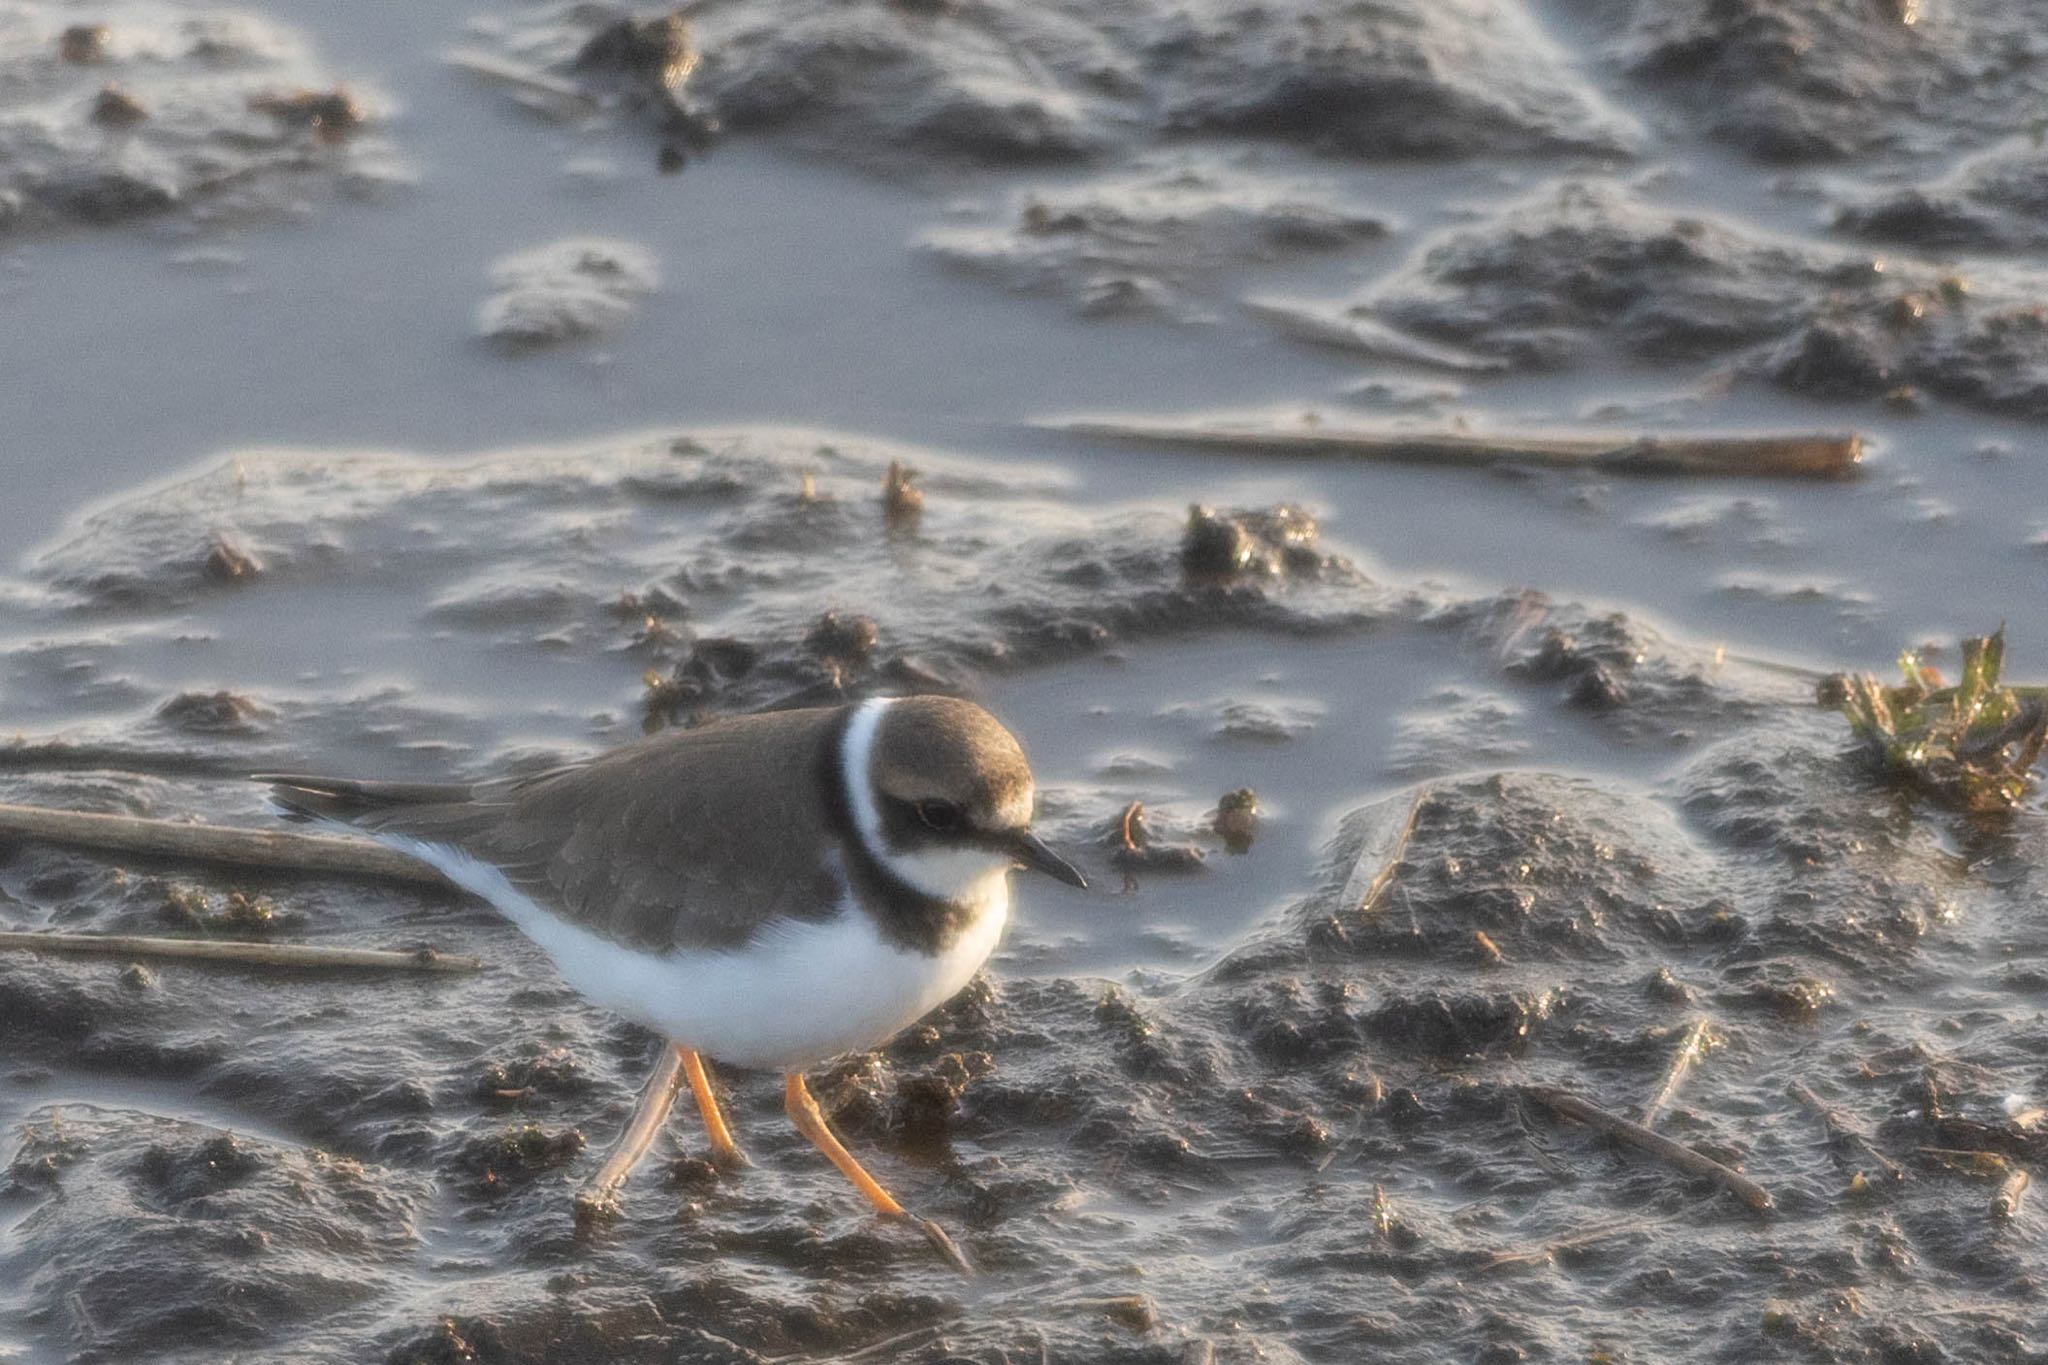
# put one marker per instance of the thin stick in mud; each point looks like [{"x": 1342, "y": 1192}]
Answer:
[
  {"x": 1842, "y": 1135},
  {"x": 1690, "y": 1050},
  {"x": 1788, "y": 455},
  {"x": 268, "y": 850},
  {"x": 305, "y": 956},
  {"x": 1673, "y": 1154}
]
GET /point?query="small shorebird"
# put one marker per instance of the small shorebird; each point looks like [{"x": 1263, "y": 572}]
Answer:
[{"x": 768, "y": 891}]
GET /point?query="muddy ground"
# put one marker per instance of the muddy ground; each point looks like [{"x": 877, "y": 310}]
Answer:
[{"x": 325, "y": 319}]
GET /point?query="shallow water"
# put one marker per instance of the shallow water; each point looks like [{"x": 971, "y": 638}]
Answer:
[{"x": 1198, "y": 1083}]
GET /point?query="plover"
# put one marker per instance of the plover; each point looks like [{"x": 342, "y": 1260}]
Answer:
[{"x": 769, "y": 891}]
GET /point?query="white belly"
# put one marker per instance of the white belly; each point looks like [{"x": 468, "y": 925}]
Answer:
[{"x": 797, "y": 994}]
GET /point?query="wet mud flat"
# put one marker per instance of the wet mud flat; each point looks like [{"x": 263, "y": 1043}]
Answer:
[
  {"x": 1315, "y": 1142},
  {"x": 1315, "y": 1098}
]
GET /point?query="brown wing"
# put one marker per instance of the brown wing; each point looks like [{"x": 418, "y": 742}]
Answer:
[{"x": 691, "y": 839}]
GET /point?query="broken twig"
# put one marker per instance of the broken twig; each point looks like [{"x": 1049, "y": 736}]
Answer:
[
  {"x": 303, "y": 955},
  {"x": 1673, "y": 1154},
  {"x": 2005, "y": 1205},
  {"x": 270, "y": 850},
  {"x": 1799, "y": 455},
  {"x": 1689, "y": 1051}
]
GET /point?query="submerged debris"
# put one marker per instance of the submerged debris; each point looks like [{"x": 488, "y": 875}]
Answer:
[
  {"x": 84, "y": 44},
  {"x": 902, "y": 499},
  {"x": 114, "y": 107},
  {"x": 1972, "y": 746},
  {"x": 1236, "y": 821},
  {"x": 189, "y": 908},
  {"x": 332, "y": 115},
  {"x": 515, "y": 1155},
  {"x": 657, "y": 52},
  {"x": 1133, "y": 849},
  {"x": 1218, "y": 546}
]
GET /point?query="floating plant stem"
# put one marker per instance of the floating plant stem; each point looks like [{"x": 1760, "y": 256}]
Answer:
[{"x": 300, "y": 955}]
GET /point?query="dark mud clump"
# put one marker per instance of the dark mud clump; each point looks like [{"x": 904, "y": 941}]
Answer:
[
  {"x": 1587, "y": 275},
  {"x": 1007, "y": 83},
  {"x": 151, "y": 111}
]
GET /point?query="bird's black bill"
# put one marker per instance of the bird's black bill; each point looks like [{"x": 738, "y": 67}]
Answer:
[{"x": 1030, "y": 850}]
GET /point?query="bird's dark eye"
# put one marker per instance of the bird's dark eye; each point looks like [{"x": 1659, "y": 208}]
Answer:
[{"x": 943, "y": 816}]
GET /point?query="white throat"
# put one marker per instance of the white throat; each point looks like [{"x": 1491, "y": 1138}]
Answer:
[{"x": 962, "y": 876}]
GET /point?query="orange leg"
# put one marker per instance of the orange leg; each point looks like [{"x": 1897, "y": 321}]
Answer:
[
  {"x": 724, "y": 1150},
  {"x": 804, "y": 1113}
]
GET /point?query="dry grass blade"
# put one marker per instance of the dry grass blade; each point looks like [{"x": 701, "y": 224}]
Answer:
[
  {"x": 1801, "y": 455},
  {"x": 1690, "y": 1050},
  {"x": 1345, "y": 330},
  {"x": 298, "y": 955},
  {"x": 270, "y": 850},
  {"x": 1673, "y": 1154},
  {"x": 1365, "y": 893}
]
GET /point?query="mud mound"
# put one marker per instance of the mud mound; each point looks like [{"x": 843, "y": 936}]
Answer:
[
  {"x": 1004, "y": 83},
  {"x": 1586, "y": 274},
  {"x": 135, "y": 110},
  {"x": 1840, "y": 78},
  {"x": 137, "y": 1231},
  {"x": 1151, "y": 244},
  {"x": 1994, "y": 202}
]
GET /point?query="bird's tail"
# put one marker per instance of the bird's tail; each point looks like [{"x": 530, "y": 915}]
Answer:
[{"x": 345, "y": 801}]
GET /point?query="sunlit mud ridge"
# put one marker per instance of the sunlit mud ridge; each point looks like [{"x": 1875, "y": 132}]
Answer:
[{"x": 1326, "y": 1140}]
